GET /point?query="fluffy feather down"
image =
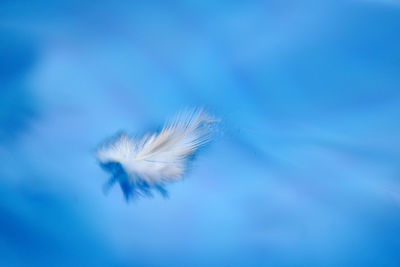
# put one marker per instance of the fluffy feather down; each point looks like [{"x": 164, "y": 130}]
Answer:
[{"x": 160, "y": 157}]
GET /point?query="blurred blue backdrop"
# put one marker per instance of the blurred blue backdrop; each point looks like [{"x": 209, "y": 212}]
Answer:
[{"x": 305, "y": 170}]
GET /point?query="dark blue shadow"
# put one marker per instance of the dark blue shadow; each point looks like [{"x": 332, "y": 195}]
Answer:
[{"x": 130, "y": 188}]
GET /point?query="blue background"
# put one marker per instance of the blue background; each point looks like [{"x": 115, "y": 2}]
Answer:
[{"x": 304, "y": 169}]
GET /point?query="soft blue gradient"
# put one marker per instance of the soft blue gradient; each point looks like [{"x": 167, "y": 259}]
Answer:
[{"x": 304, "y": 171}]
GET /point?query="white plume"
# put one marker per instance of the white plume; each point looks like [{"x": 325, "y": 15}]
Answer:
[{"x": 159, "y": 157}]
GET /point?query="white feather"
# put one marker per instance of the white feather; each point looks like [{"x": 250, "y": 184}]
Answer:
[{"x": 160, "y": 157}]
